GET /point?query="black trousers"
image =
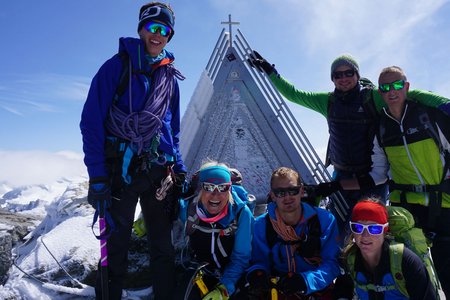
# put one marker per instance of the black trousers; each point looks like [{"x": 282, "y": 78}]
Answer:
[
  {"x": 351, "y": 198},
  {"x": 159, "y": 234}
]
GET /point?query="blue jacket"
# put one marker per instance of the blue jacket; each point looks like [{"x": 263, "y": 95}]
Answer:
[
  {"x": 417, "y": 280},
  {"x": 316, "y": 277},
  {"x": 239, "y": 259},
  {"x": 387, "y": 280},
  {"x": 99, "y": 101}
]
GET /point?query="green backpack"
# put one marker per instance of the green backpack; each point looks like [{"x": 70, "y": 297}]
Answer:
[
  {"x": 401, "y": 227},
  {"x": 395, "y": 258}
]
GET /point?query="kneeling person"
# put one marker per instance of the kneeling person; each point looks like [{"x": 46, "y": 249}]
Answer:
[
  {"x": 293, "y": 242},
  {"x": 219, "y": 226},
  {"x": 382, "y": 269}
]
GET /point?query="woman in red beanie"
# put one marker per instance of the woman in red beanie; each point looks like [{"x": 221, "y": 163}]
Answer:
[{"x": 380, "y": 268}]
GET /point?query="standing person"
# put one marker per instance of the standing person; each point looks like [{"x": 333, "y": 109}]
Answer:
[
  {"x": 412, "y": 142},
  {"x": 219, "y": 225},
  {"x": 351, "y": 111},
  {"x": 294, "y": 242},
  {"x": 381, "y": 269},
  {"x": 130, "y": 125}
]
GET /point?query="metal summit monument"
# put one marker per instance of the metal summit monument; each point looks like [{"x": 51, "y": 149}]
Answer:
[{"x": 236, "y": 116}]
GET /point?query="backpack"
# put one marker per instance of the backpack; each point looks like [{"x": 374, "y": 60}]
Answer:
[
  {"x": 401, "y": 227},
  {"x": 124, "y": 78}
]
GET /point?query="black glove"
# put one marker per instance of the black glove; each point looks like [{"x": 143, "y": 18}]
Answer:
[
  {"x": 259, "y": 284},
  {"x": 325, "y": 189},
  {"x": 171, "y": 203},
  {"x": 291, "y": 284},
  {"x": 343, "y": 287},
  {"x": 258, "y": 62},
  {"x": 180, "y": 184},
  {"x": 99, "y": 190},
  {"x": 365, "y": 181}
]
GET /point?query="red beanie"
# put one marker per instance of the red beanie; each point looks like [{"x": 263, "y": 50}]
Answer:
[{"x": 369, "y": 211}]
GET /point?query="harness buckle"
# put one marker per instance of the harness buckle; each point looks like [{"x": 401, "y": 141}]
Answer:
[
  {"x": 380, "y": 288},
  {"x": 419, "y": 188}
]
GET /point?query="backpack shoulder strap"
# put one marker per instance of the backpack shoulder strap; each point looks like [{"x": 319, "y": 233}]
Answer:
[
  {"x": 432, "y": 132},
  {"x": 351, "y": 257},
  {"x": 331, "y": 100},
  {"x": 191, "y": 219},
  {"x": 124, "y": 76},
  {"x": 369, "y": 103},
  {"x": 395, "y": 258},
  {"x": 271, "y": 235},
  {"x": 313, "y": 225}
]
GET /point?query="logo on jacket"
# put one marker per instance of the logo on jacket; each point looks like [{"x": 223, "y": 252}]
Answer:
[{"x": 412, "y": 130}]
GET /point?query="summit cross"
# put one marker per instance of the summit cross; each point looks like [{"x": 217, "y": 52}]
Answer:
[{"x": 229, "y": 30}]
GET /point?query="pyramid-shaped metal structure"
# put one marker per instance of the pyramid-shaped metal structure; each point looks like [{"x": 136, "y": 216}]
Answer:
[{"x": 236, "y": 116}]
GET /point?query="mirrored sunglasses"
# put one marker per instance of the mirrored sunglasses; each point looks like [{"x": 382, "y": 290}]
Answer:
[
  {"x": 396, "y": 85},
  {"x": 154, "y": 27},
  {"x": 342, "y": 74},
  {"x": 373, "y": 229},
  {"x": 282, "y": 192},
  {"x": 221, "y": 188}
]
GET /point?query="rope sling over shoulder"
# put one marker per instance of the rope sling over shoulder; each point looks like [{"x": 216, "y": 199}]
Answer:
[{"x": 141, "y": 129}]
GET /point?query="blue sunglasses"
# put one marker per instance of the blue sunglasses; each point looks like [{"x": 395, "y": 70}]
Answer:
[{"x": 373, "y": 229}]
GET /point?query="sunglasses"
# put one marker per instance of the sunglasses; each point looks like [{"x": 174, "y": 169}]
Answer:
[
  {"x": 282, "y": 192},
  {"x": 154, "y": 27},
  {"x": 221, "y": 188},
  {"x": 396, "y": 85},
  {"x": 373, "y": 229},
  {"x": 342, "y": 74}
]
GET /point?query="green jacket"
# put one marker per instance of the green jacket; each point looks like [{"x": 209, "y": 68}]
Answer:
[
  {"x": 318, "y": 101},
  {"x": 411, "y": 153}
]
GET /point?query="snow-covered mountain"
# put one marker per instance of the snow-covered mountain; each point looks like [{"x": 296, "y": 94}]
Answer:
[
  {"x": 59, "y": 255},
  {"x": 61, "y": 239}
]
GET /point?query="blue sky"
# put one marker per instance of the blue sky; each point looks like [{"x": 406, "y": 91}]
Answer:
[{"x": 51, "y": 49}]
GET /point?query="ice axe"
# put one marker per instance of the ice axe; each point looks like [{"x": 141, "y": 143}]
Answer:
[{"x": 103, "y": 251}]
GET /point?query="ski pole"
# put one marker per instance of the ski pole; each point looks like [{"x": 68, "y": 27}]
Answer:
[{"x": 103, "y": 252}]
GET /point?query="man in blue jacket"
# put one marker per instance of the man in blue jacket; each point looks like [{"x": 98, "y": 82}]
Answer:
[
  {"x": 130, "y": 125},
  {"x": 294, "y": 242}
]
